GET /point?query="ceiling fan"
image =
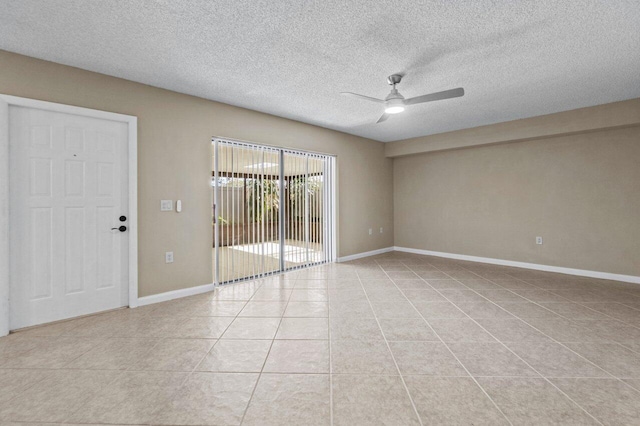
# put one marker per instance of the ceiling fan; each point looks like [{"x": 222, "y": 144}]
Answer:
[{"x": 395, "y": 103}]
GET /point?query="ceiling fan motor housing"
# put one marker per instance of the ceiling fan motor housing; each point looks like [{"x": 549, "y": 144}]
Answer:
[
  {"x": 395, "y": 102},
  {"x": 394, "y": 98},
  {"x": 394, "y": 79},
  {"x": 393, "y": 95}
]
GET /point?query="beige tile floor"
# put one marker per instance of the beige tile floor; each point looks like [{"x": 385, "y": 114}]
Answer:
[
  {"x": 396, "y": 339},
  {"x": 249, "y": 260}
]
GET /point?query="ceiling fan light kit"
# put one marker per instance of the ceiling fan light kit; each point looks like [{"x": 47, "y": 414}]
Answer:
[
  {"x": 395, "y": 103},
  {"x": 394, "y": 107}
]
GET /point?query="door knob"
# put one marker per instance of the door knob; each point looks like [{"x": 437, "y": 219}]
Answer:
[{"x": 121, "y": 229}]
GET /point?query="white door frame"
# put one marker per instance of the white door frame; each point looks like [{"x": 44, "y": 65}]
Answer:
[{"x": 132, "y": 123}]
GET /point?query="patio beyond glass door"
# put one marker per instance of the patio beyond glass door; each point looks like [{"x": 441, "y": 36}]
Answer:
[{"x": 273, "y": 210}]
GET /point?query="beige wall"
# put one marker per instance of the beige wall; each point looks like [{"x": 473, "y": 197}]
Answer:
[
  {"x": 579, "y": 189},
  {"x": 582, "y": 120},
  {"x": 580, "y": 192},
  {"x": 174, "y": 133}
]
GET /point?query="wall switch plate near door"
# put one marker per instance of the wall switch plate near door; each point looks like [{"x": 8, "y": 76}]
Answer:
[
  {"x": 539, "y": 240},
  {"x": 166, "y": 205},
  {"x": 168, "y": 257}
]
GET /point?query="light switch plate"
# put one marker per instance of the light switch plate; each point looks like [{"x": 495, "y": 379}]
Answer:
[{"x": 166, "y": 205}]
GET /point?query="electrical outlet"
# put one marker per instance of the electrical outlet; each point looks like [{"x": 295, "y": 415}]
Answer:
[
  {"x": 370, "y": 231},
  {"x": 539, "y": 240},
  {"x": 381, "y": 229},
  {"x": 168, "y": 257}
]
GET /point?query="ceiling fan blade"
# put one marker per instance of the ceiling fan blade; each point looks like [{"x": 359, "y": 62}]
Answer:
[
  {"x": 382, "y": 118},
  {"x": 447, "y": 94},
  {"x": 366, "y": 98}
]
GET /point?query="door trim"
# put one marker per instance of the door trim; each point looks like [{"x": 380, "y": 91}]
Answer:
[{"x": 132, "y": 124}]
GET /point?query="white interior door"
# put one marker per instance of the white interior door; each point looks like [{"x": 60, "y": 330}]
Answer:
[{"x": 68, "y": 188}]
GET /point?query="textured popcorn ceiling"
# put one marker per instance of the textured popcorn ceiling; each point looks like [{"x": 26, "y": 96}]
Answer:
[{"x": 515, "y": 58}]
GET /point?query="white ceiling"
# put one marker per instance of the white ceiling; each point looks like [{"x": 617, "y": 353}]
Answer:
[{"x": 291, "y": 58}]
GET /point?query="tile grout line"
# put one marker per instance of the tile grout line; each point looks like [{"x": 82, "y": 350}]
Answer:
[
  {"x": 317, "y": 374},
  {"x": 524, "y": 320},
  {"x": 635, "y": 351},
  {"x": 568, "y": 301},
  {"x": 555, "y": 313},
  {"x": 326, "y": 288},
  {"x": 117, "y": 372},
  {"x": 188, "y": 375},
  {"x": 509, "y": 349},
  {"x": 404, "y": 384},
  {"x": 603, "y": 313},
  {"x": 222, "y": 333},
  {"x": 446, "y": 346},
  {"x": 294, "y": 373},
  {"x": 612, "y": 376},
  {"x": 253, "y": 391},
  {"x": 579, "y": 303},
  {"x": 330, "y": 356}
]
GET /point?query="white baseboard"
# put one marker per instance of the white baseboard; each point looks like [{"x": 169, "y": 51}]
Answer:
[
  {"x": 175, "y": 294},
  {"x": 365, "y": 254},
  {"x": 558, "y": 269}
]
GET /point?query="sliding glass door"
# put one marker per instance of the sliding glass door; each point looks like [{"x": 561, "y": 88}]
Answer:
[{"x": 273, "y": 210}]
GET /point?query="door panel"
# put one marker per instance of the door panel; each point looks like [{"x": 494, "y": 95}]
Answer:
[
  {"x": 68, "y": 187},
  {"x": 41, "y": 265},
  {"x": 305, "y": 217},
  {"x": 74, "y": 249},
  {"x": 246, "y": 191}
]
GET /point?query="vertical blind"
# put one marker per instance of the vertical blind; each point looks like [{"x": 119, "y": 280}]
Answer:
[{"x": 273, "y": 209}]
